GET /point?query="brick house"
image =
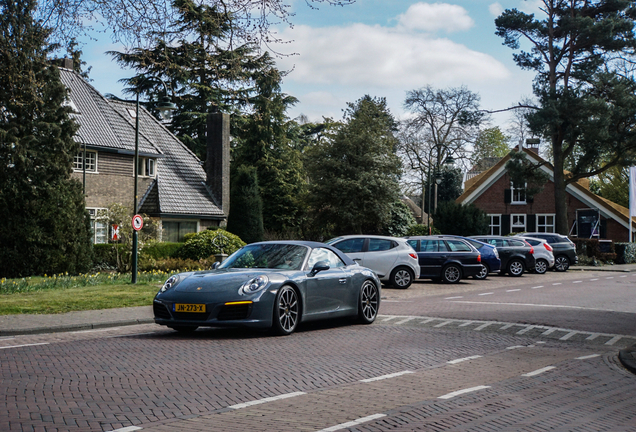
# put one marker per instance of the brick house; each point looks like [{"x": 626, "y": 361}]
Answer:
[
  {"x": 173, "y": 185},
  {"x": 589, "y": 215}
]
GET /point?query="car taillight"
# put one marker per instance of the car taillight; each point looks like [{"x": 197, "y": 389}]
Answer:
[
  {"x": 531, "y": 250},
  {"x": 412, "y": 255},
  {"x": 479, "y": 258},
  {"x": 548, "y": 247}
]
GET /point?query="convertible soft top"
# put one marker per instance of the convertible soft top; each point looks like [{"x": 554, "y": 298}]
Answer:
[{"x": 313, "y": 245}]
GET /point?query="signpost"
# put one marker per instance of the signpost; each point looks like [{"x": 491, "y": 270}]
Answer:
[{"x": 137, "y": 222}]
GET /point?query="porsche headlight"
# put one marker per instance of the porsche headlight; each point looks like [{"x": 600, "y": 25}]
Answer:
[
  {"x": 172, "y": 280},
  {"x": 254, "y": 285}
]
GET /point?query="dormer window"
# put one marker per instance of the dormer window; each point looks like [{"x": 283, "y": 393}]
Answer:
[
  {"x": 147, "y": 167},
  {"x": 91, "y": 161},
  {"x": 518, "y": 193}
]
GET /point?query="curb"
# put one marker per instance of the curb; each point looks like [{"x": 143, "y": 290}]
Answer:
[
  {"x": 628, "y": 358},
  {"x": 74, "y": 327},
  {"x": 605, "y": 269}
]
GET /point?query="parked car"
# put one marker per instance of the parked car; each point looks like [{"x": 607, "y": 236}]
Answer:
[
  {"x": 490, "y": 262},
  {"x": 564, "y": 249},
  {"x": 543, "y": 256},
  {"x": 394, "y": 261},
  {"x": 445, "y": 258},
  {"x": 515, "y": 253},
  {"x": 273, "y": 285}
]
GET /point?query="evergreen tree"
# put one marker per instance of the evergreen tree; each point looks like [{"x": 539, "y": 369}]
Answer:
[
  {"x": 262, "y": 141},
  {"x": 45, "y": 227},
  {"x": 202, "y": 70},
  {"x": 462, "y": 220},
  {"x": 587, "y": 104},
  {"x": 354, "y": 177},
  {"x": 246, "y": 211}
]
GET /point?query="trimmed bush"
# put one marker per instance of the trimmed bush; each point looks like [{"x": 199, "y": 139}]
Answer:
[
  {"x": 625, "y": 253},
  {"x": 463, "y": 220},
  {"x": 208, "y": 243},
  {"x": 592, "y": 248},
  {"x": 159, "y": 250},
  {"x": 421, "y": 230}
]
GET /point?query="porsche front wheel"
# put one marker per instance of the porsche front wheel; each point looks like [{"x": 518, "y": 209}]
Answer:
[
  {"x": 286, "y": 311},
  {"x": 368, "y": 303}
]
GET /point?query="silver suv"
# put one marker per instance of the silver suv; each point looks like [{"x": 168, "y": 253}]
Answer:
[
  {"x": 544, "y": 258},
  {"x": 564, "y": 249}
]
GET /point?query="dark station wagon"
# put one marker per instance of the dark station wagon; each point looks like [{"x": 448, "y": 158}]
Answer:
[{"x": 445, "y": 258}]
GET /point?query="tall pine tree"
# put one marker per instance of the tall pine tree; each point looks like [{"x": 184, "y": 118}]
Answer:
[{"x": 45, "y": 227}]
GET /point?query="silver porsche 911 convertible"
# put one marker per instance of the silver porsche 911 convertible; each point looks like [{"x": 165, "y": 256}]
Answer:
[{"x": 274, "y": 285}]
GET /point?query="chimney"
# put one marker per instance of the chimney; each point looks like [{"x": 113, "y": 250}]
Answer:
[
  {"x": 67, "y": 63},
  {"x": 532, "y": 144},
  {"x": 217, "y": 162}
]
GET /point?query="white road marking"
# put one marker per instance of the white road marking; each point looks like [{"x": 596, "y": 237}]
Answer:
[
  {"x": 537, "y": 287},
  {"x": 577, "y": 282},
  {"x": 443, "y": 324},
  {"x": 568, "y": 336},
  {"x": 452, "y": 298},
  {"x": 461, "y": 392},
  {"x": 426, "y": 321},
  {"x": 127, "y": 429},
  {"x": 587, "y": 357},
  {"x": 592, "y": 336},
  {"x": 352, "y": 423},
  {"x": 467, "y": 323},
  {"x": 515, "y": 347},
  {"x": 610, "y": 277},
  {"x": 549, "y": 331},
  {"x": 540, "y": 342},
  {"x": 463, "y": 359},
  {"x": 613, "y": 340},
  {"x": 513, "y": 290},
  {"x": 525, "y": 330},
  {"x": 488, "y": 293},
  {"x": 623, "y": 276},
  {"x": 532, "y": 304},
  {"x": 557, "y": 283},
  {"x": 483, "y": 326},
  {"x": 593, "y": 279},
  {"x": 265, "y": 400},
  {"x": 25, "y": 345},
  {"x": 507, "y": 326},
  {"x": 383, "y": 377},
  {"x": 389, "y": 318},
  {"x": 405, "y": 320},
  {"x": 539, "y": 371}
]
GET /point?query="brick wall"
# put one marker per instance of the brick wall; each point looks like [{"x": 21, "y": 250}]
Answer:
[{"x": 492, "y": 202}]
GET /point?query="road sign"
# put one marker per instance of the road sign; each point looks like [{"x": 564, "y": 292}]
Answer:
[
  {"x": 137, "y": 222},
  {"x": 115, "y": 232}
]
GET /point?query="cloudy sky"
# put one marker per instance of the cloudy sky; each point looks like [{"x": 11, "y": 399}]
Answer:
[{"x": 382, "y": 48}]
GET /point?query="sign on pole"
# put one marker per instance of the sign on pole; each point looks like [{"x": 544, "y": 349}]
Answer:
[
  {"x": 137, "y": 222},
  {"x": 115, "y": 233},
  {"x": 632, "y": 198}
]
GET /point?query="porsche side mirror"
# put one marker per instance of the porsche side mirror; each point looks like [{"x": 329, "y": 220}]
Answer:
[
  {"x": 318, "y": 267},
  {"x": 215, "y": 265}
]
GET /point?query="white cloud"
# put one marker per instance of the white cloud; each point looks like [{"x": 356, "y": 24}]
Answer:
[
  {"x": 362, "y": 55},
  {"x": 495, "y": 9},
  {"x": 437, "y": 16}
]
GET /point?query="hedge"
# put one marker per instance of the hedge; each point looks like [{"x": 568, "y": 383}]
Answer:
[
  {"x": 591, "y": 248},
  {"x": 625, "y": 253}
]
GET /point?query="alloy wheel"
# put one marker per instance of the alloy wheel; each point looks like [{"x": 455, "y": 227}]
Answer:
[
  {"x": 515, "y": 268},
  {"x": 369, "y": 301},
  {"x": 402, "y": 278},
  {"x": 452, "y": 274},
  {"x": 288, "y": 309},
  {"x": 561, "y": 263},
  {"x": 541, "y": 266}
]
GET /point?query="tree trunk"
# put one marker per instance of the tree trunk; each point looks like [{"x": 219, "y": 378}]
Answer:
[{"x": 560, "y": 196}]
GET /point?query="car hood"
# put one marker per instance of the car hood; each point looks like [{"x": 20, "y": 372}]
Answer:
[{"x": 218, "y": 280}]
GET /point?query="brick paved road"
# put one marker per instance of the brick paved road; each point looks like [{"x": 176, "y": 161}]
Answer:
[{"x": 408, "y": 371}]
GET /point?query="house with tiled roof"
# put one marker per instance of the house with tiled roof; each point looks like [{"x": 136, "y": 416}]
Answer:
[
  {"x": 589, "y": 215},
  {"x": 174, "y": 186}
]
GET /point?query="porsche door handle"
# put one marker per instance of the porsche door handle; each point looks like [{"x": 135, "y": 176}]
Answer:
[
  {"x": 342, "y": 280},
  {"x": 357, "y": 259}
]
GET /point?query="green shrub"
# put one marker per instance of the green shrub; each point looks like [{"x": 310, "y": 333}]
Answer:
[
  {"x": 591, "y": 248},
  {"x": 172, "y": 265},
  {"x": 463, "y": 220},
  {"x": 421, "y": 230},
  {"x": 625, "y": 253},
  {"x": 208, "y": 243},
  {"x": 401, "y": 219},
  {"x": 159, "y": 250}
]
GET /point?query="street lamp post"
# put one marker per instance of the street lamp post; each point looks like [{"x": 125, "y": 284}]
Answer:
[
  {"x": 165, "y": 108},
  {"x": 438, "y": 180}
]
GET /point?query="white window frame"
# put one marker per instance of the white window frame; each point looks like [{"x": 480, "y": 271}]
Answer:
[
  {"x": 521, "y": 192},
  {"x": 95, "y": 217},
  {"x": 517, "y": 228},
  {"x": 547, "y": 228},
  {"x": 143, "y": 166},
  {"x": 91, "y": 167},
  {"x": 493, "y": 225}
]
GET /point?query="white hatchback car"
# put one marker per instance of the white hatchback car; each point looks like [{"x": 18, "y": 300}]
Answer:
[
  {"x": 391, "y": 258},
  {"x": 543, "y": 254}
]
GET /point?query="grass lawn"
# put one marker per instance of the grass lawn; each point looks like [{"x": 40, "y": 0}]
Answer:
[{"x": 66, "y": 294}]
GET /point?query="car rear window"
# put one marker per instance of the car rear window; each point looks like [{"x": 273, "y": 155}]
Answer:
[
  {"x": 350, "y": 245},
  {"x": 458, "y": 246},
  {"x": 517, "y": 243},
  {"x": 377, "y": 245},
  {"x": 475, "y": 244},
  {"x": 412, "y": 243}
]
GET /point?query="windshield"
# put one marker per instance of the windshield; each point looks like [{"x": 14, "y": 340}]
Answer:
[
  {"x": 333, "y": 240},
  {"x": 272, "y": 256}
]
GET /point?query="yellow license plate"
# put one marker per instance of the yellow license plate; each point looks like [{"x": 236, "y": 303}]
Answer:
[{"x": 182, "y": 307}]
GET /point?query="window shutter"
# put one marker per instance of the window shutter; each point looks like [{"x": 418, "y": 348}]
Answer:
[
  {"x": 531, "y": 223},
  {"x": 507, "y": 196},
  {"x": 505, "y": 223}
]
